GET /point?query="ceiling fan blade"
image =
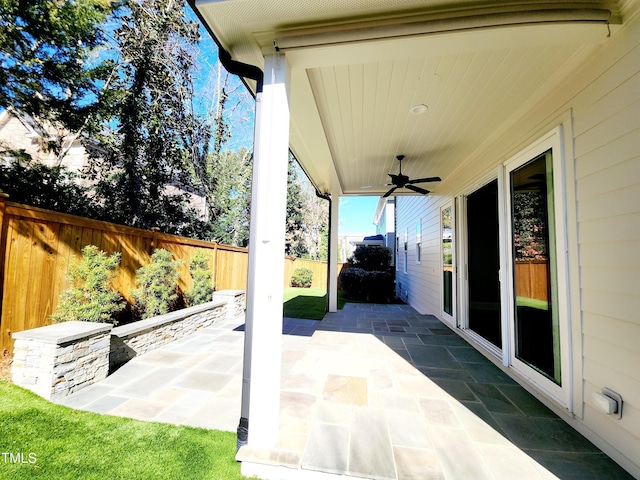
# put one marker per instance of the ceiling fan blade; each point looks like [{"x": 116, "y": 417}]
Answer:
[
  {"x": 417, "y": 189},
  {"x": 389, "y": 192},
  {"x": 424, "y": 180}
]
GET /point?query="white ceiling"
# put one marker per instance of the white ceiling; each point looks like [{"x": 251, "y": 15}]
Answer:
[{"x": 358, "y": 66}]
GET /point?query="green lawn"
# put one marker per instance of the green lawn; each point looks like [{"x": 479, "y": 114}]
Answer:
[
  {"x": 56, "y": 442},
  {"x": 532, "y": 303},
  {"x": 307, "y": 302}
]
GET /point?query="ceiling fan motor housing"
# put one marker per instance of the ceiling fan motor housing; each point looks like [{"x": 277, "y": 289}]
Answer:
[{"x": 399, "y": 180}]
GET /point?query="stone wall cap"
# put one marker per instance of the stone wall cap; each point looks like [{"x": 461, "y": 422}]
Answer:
[
  {"x": 229, "y": 292},
  {"x": 149, "y": 323},
  {"x": 64, "y": 332}
]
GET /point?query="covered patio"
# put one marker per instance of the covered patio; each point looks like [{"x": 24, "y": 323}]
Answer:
[
  {"x": 373, "y": 391},
  {"x": 465, "y": 93}
]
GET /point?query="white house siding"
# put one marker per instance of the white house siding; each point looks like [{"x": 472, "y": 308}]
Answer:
[
  {"x": 607, "y": 151},
  {"x": 420, "y": 286},
  {"x": 602, "y": 102}
]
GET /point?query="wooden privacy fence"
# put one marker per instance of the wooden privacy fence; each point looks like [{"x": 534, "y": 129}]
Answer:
[
  {"x": 318, "y": 268},
  {"x": 36, "y": 247}
]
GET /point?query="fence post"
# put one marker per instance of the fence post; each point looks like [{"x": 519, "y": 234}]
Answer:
[
  {"x": 154, "y": 239},
  {"x": 215, "y": 265},
  {"x": 3, "y": 252}
]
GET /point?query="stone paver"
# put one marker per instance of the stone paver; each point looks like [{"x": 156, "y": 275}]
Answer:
[
  {"x": 194, "y": 381},
  {"x": 373, "y": 391}
]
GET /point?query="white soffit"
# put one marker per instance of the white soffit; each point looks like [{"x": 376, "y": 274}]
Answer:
[{"x": 472, "y": 82}]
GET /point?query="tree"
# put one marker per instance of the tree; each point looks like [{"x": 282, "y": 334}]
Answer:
[
  {"x": 224, "y": 176},
  {"x": 307, "y": 216},
  {"x": 50, "y": 68},
  {"x": 295, "y": 244},
  {"x": 230, "y": 202},
  {"x": 53, "y": 188},
  {"x": 316, "y": 231},
  {"x": 142, "y": 143}
]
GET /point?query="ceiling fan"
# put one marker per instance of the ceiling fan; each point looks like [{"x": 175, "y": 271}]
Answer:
[{"x": 403, "y": 181}]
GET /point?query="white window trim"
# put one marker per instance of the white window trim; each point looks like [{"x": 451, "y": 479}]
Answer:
[
  {"x": 419, "y": 241},
  {"x": 406, "y": 249},
  {"x": 397, "y": 253}
]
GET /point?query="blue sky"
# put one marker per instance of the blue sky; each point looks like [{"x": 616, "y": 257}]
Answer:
[{"x": 356, "y": 215}]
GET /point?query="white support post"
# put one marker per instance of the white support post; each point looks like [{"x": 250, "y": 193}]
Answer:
[
  {"x": 263, "y": 327},
  {"x": 333, "y": 254}
]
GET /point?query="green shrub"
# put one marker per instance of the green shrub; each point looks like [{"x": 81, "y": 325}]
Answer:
[
  {"x": 371, "y": 279},
  {"x": 201, "y": 276},
  {"x": 157, "y": 282},
  {"x": 351, "y": 282},
  {"x": 91, "y": 297},
  {"x": 371, "y": 257},
  {"x": 367, "y": 286},
  {"x": 302, "y": 277}
]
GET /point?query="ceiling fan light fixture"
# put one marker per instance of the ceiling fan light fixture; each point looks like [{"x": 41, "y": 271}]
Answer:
[{"x": 418, "y": 109}]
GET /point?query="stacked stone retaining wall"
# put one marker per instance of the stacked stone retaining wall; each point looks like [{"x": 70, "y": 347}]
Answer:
[
  {"x": 143, "y": 336},
  {"x": 57, "y": 360},
  {"x": 236, "y": 302}
]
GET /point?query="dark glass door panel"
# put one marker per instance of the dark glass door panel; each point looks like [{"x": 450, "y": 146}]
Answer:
[
  {"x": 447, "y": 261},
  {"x": 483, "y": 263},
  {"x": 534, "y": 275}
]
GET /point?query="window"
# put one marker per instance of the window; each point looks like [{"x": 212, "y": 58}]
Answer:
[
  {"x": 406, "y": 248},
  {"x": 446, "y": 227},
  {"x": 397, "y": 253},
  {"x": 419, "y": 241}
]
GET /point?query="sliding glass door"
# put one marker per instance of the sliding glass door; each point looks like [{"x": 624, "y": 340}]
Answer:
[
  {"x": 483, "y": 264},
  {"x": 535, "y": 292},
  {"x": 536, "y": 268},
  {"x": 513, "y": 282}
]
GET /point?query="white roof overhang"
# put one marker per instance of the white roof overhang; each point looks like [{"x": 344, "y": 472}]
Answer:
[{"x": 359, "y": 66}]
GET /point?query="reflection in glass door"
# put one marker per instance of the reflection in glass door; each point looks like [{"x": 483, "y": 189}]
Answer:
[
  {"x": 537, "y": 341},
  {"x": 447, "y": 260}
]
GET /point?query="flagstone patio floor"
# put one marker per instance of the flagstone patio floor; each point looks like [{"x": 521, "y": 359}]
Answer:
[{"x": 372, "y": 391}]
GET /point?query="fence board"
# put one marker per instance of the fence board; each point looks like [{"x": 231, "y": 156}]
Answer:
[
  {"x": 17, "y": 269},
  {"x": 231, "y": 268},
  {"x": 49, "y": 245},
  {"x": 40, "y": 271},
  {"x": 319, "y": 269}
]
